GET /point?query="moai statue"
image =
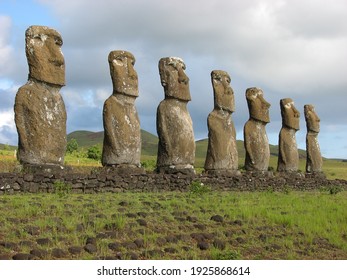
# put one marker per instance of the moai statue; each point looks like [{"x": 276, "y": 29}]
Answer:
[
  {"x": 176, "y": 147},
  {"x": 288, "y": 155},
  {"x": 122, "y": 136},
  {"x": 255, "y": 137},
  {"x": 222, "y": 155},
  {"x": 40, "y": 114},
  {"x": 314, "y": 160}
]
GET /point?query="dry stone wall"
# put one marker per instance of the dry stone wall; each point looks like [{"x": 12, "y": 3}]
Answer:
[{"x": 12, "y": 183}]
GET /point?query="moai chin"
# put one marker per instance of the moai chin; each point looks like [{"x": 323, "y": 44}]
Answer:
[
  {"x": 222, "y": 154},
  {"x": 176, "y": 147},
  {"x": 122, "y": 133},
  {"x": 314, "y": 160},
  {"x": 40, "y": 114},
  {"x": 255, "y": 138},
  {"x": 288, "y": 155}
]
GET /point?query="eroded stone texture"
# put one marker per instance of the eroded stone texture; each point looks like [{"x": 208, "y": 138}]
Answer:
[
  {"x": 176, "y": 147},
  {"x": 222, "y": 155},
  {"x": 314, "y": 160},
  {"x": 40, "y": 114},
  {"x": 255, "y": 138},
  {"x": 122, "y": 137},
  {"x": 288, "y": 155}
]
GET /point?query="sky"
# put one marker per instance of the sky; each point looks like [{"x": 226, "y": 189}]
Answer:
[{"x": 289, "y": 48}]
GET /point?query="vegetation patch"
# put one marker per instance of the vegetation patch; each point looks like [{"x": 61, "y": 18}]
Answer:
[
  {"x": 62, "y": 189},
  {"x": 174, "y": 225},
  {"x": 198, "y": 188}
]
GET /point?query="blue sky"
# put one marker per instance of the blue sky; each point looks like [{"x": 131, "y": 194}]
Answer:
[{"x": 293, "y": 49}]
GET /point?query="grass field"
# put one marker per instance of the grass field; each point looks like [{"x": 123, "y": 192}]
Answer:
[
  {"x": 200, "y": 224},
  {"x": 192, "y": 225}
]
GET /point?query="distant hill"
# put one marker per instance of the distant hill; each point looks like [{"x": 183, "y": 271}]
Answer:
[
  {"x": 7, "y": 147},
  {"x": 86, "y": 139}
]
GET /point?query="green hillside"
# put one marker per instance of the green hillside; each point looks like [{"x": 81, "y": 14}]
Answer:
[
  {"x": 86, "y": 139},
  {"x": 149, "y": 144},
  {"x": 7, "y": 147}
]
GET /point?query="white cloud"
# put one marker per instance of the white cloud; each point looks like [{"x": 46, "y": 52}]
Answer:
[
  {"x": 7, "y": 119},
  {"x": 8, "y": 133},
  {"x": 6, "y": 50},
  {"x": 260, "y": 39},
  {"x": 101, "y": 95}
]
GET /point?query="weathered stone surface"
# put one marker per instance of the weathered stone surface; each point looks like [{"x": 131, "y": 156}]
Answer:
[
  {"x": 40, "y": 113},
  {"x": 222, "y": 152},
  {"x": 122, "y": 137},
  {"x": 43, "y": 52},
  {"x": 288, "y": 155},
  {"x": 255, "y": 138},
  {"x": 176, "y": 148},
  {"x": 314, "y": 160},
  {"x": 153, "y": 182}
]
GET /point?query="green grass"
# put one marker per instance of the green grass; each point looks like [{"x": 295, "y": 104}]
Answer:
[{"x": 260, "y": 225}]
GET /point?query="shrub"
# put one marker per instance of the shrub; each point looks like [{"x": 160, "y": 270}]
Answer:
[
  {"x": 72, "y": 146},
  {"x": 335, "y": 189},
  {"x": 149, "y": 164},
  {"x": 94, "y": 152}
]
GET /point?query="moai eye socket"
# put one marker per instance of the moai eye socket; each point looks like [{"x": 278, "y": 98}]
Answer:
[
  {"x": 58, "y": 41},
  {"x": 119, "y": 60}
]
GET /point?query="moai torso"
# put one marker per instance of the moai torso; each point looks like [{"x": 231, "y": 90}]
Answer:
[
  {"x": 122, "y": 133},
  {"x": 288, "y": 155},
  {"x": 314, "y": 160},
  {"x": 40, "y": 114},
  {"x": 255, "y": 138},
  {"x": 222, "y": 154},
  {"x": 176, "y": 147}
]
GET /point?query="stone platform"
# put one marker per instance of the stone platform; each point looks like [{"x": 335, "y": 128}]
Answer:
[{"x": 101, "y": 181}]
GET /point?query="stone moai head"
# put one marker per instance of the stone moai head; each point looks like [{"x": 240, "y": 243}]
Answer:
[
  {"x": 223, "y": 93},
  {"x": 44, "y": 55},
  {"x": 173, "y": 78},
  {"x": 123, "y": 74},
  {"x": 258, "y": 107},
  {"x": 312, "y": 120},
  {"x": 290, "y": 115}
]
